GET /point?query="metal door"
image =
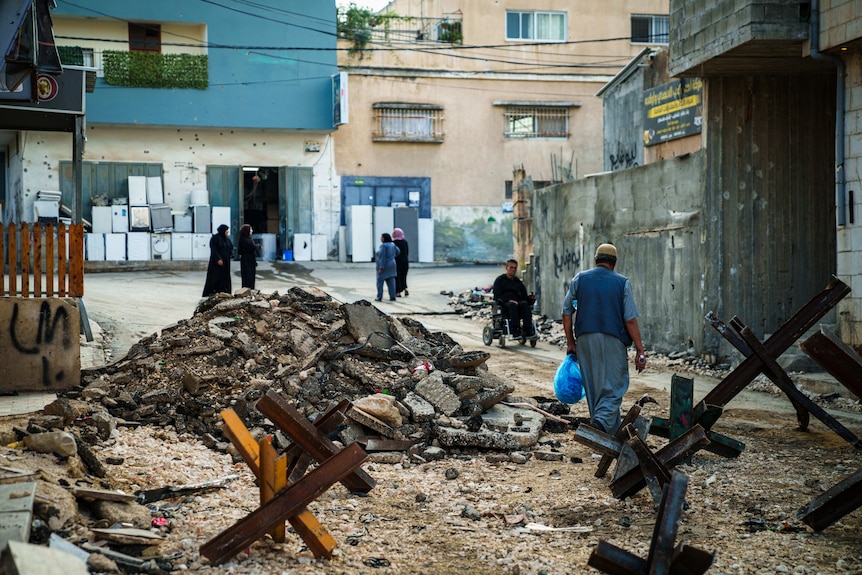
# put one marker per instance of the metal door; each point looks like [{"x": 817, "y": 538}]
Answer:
[
  {"x": 224, "y": 186},
  {"x": 295, "y": 203}
]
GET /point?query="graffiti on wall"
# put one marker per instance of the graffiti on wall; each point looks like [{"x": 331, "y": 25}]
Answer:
[
  {"x": 566, "y": 260},
  {"x": 39, "y": 347},
  {"x": 626, "y": 157}
]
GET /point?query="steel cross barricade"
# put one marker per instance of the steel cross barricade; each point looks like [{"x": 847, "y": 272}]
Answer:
[
  {"x": 759, "y": 358},
  {"x": 285, "y": 488}
]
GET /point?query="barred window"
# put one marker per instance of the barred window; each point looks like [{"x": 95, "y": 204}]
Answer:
[
  {"x": 650, "y": 29},
  {"x": 537, "y": 122},
  {"x": 399, "y": 122}
]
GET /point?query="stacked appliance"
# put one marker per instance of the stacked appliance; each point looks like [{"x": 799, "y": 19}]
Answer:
[{"x": 46, "y": 207}]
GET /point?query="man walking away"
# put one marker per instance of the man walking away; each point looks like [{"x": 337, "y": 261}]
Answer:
[{"x": 606, "y": 324}]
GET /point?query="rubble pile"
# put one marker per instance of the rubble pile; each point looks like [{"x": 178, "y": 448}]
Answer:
[{"x": 315, "y": 352}]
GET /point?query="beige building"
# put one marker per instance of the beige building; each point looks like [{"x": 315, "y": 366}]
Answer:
[{"x": 450, "y": 97}]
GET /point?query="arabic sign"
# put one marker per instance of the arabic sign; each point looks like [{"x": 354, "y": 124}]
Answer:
[{"x": 673, "y": 110}]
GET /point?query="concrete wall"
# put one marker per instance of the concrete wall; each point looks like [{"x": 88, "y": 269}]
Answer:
[
  {"x": 654, "y": 215},
  {"x": 704, "y": 29},
  {"x": 849, "y": 236},
  {"x": 840, "y": 22}
]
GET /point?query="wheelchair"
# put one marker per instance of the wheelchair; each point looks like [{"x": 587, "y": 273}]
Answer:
[{"x": 500, "y": 330}]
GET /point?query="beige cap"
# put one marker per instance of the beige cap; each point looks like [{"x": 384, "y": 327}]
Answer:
[{"x": 606, "y": 250}]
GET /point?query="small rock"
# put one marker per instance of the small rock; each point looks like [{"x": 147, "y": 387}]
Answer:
[{"x": 452, "y": 473}]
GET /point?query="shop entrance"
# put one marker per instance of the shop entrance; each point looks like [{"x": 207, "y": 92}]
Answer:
[{"x": 260, "y": 187}]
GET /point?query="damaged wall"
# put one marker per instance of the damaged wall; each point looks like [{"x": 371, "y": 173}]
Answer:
[
  {"x": 653, "y": 214},
  {"x": 743, "y": 226}
]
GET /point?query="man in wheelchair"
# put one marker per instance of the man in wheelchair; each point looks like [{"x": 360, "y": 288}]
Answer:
[{"x": 511, "y": 295}]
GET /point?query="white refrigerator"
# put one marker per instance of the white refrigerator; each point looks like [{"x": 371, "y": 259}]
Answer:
[
  {"x": 102, "y": 223},
  {"x": 201, "y": 246},
  {"x": 95, "y": 246},
  {"x": 360, "y": 232},
  {"x": 115, "y": 247},
  {"x": 119, "y": 219}
]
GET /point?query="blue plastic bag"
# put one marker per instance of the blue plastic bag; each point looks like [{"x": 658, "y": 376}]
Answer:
[{"x": 568, "y": 382}]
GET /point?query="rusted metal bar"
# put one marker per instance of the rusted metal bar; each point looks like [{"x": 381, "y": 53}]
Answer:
[
  {"x": 287, "y": 503},
  {"x": 718, "y": 444},
  {"x": 670, "y": 455},
  {"x": 309, "y": 438},
  {"x": 836, "y": 357},
  {"x": 783, "y": 381},
  {"x": 598, "y": 441},
  {"x": 667, "y": 524},
  {"x": 841, "y": 499},
  {"x": 627, "y": 459},
  {"x": 788, "y": 333},
  {"x": 655, "y": 474},
  {"x": 612, "y": 560},
  {"x": 688, "y": 560},
  {"x": 607, "y": 459},
  {"x": 774, "y": 372}
]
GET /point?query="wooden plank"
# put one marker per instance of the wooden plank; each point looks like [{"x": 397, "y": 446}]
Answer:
[
  {"x": 237, "y": 433},
  {"x": 306, "y": 525},
  {"x": 286, "y": 504},
  {"x": 309, "y": 438},
  {"x": 49, "y": 260},
  {"x": 839, "y": 359},
  {"x": 37, "y": 260},
  {"x": 61, "y": 259},
  {"x": 12, "y": 254},
  {"x": 76, "y": 261},
  {"x": 268, "y": 481},
  {"x": 25, "y": 259}
]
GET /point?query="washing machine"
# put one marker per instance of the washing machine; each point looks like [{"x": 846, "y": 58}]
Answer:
[
  {"x": 138, "y": 246},
  {"x": 201, "y": 246},
  {"x": 181, "y": 246},
  {"x": 160, "y": 246}
]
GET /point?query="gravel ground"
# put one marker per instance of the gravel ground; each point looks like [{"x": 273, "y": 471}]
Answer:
[{"x": 466, "y": 514}]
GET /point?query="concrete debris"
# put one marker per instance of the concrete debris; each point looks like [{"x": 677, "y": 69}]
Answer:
[{"x": 403, "y": 380}]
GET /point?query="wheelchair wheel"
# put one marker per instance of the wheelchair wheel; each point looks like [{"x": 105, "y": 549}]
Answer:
[
  {"x": 502, "y": 341},
  {"x": 487, "y": 335},
  {"x": 533, "y": 342}
]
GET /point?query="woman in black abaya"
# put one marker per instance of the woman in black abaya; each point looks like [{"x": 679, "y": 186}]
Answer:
[{"x": 218, "y": 270}]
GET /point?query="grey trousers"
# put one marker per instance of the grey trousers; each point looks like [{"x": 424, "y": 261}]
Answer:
[{"x": 605, "y": 369}]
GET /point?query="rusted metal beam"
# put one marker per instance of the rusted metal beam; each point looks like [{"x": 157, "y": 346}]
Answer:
[
  {"x": 284, "y": 505},
  {"x": 610, "y": 559},
  {"x": 309, "y": 438},
  {"x": 836, "y": 357},
  {"x": 788, "y": 333},
  {"x": 667, "y": 524},
  {"x": 843, "y": 498},
  {"x": 655, "y": 474},
  {"x": 598, "y": 441},
  {"x": 606, "y": 460},
  {"x": 783, "y": 381},
  {"x": 670, "y": 455}
]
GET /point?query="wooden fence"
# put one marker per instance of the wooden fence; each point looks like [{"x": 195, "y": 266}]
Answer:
[{"x": 42, "y": 260}]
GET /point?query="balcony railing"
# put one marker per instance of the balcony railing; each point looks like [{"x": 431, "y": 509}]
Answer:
[{"x": 440, "y": 30}]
